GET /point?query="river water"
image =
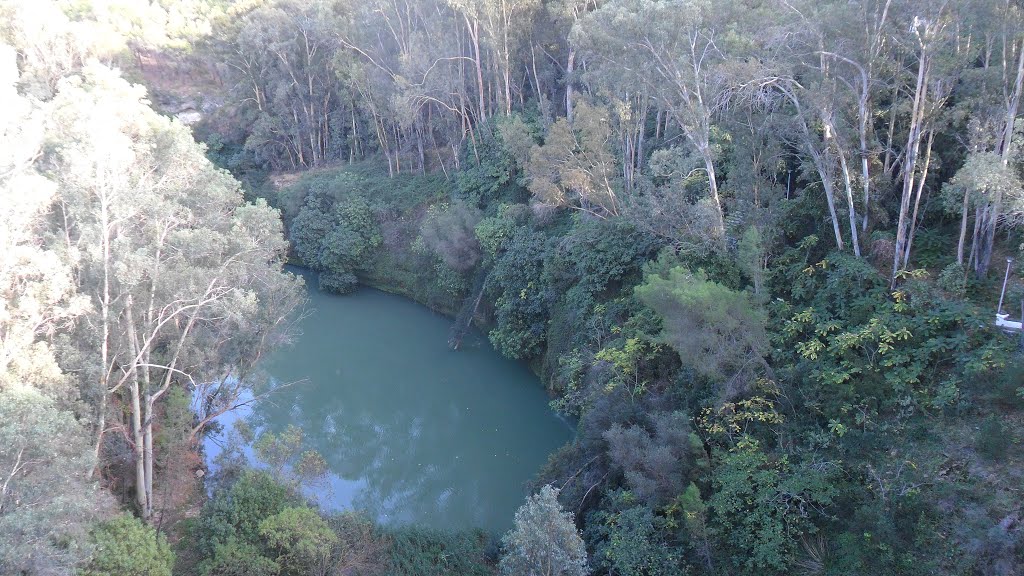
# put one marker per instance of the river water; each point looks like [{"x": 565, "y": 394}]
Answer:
[{"x": 412, "y": 431}]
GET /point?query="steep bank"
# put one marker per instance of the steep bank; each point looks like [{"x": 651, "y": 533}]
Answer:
[{"x": 637, "y": 337}]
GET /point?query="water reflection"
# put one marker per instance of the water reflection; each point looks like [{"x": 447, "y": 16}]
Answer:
[{"x": 411, "y": 431}]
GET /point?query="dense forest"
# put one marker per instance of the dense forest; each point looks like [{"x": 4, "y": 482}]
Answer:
[{"x": 754, "y": 248}]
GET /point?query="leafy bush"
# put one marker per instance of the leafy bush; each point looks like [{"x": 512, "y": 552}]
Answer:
[
  {"x": 520, "y": 296},
  {"x": 718, "y": 331},
  {"x": 494, "y": 232},
  {"x": 335, "y": 238},
  {"x": 235, "y": 558},
  {"x": 299, "y": 539},
  {"x": 237, "y": 512},
  {"x": 993, "y": 438},
  {"x": 448, "y": 232},
  {"x": 630, "y": 540},
  {"x": 760, "y": 506},
  {"x": 127, "y": 547},
  {"x": 655, "y": 465}
]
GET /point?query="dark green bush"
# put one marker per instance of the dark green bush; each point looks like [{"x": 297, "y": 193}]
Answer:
[{"x": 993, "y": 438}]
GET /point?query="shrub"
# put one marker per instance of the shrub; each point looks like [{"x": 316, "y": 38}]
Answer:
[
  {"x": 238, "y": 511},
  {"x": 448, "y": 232},
  {"x": 993, "y": 439},
  {"x": 544, "y": 540},
  {"x": 417, "y": 550},
  {"x": 127, "y": 547},
  {"x": 300, "y": 539},
  {"x": 235, "y": 558}
]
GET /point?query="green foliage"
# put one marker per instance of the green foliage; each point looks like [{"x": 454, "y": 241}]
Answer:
[
  {"x": 47, "y": 503},
  {"x": 417, "y": 550},
  {"x": 718, "y": 331},
  {"x": 494, "y": 232},
  {"x": 520, "y": 296},
  {"x": 953, "y": 279},
  {"x": 752, "y": 256},
  {"x": 237, "y": 512},
  {"x": 1008, "y": 389},
  {"x": 491, "y": 173},
  {"x": 761, "y": 506},
  {"x": 544, "y": 540},
  {"x": 299, "y": 539},
  {"x": 335, "y": 238},
  {"x": 632, "y": 541},
  {"x": 448, "y": 230},
  {"x": 993, "y": 438},
  {"x": 865, "y": 353},
  {"x": 597, "y": 257},
  {"x": 233, "y": 557},
  {"x": 626, "y": 364},
  {"x": 125, "y": 546},
  {"x": 654, "y": 464},
  {"x": 982, "y": 177},
  {"x": 575, "y": 167}
]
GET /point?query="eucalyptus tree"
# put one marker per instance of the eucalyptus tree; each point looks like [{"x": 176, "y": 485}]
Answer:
[
  {"x": 51, "y": 45},
  {"x": 672, "y": 50},
  {"x": 564, "y": 14},
  {"x": 405, "y": 70},
  {"x": 575, "y": 167},
  {"x": 993, "y": 38},
  {"x": 928, "y": 40},
  {"x": 504, "y": 25},
  {"x": 838, "y": 65},
  {"x": 858, "y": 60},
  {"x": 47, "y": 502},
  {"x": 281, "y": 56},
  {"x": 37, "y": 290},
  {"x": 184, "y": 279},
  {"x": 545, "y": 540}
]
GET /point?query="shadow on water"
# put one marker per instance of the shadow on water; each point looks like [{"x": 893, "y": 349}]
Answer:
[{"x": 412, "y": 431}]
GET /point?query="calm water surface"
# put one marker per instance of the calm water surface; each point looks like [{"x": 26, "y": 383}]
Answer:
[{"x": 412, "y": 431}]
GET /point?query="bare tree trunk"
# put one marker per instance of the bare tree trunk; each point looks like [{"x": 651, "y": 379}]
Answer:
[
  {"x": 865, "y": 165},
  {"x": 889, "y": 162},
  {"x": 474, "y": 35},
  {"x": 830, "y": 133},
  {"x": 147, "y": 451},
  {"x": 709, "y": 163},
  {"x": 141, "y": 495},
  {"x": 963, "y": 227},
  {"x": 979, "y": 215},
  {"x": 569, "y": 68},
  {"x": 826, "y": 183},
  {"x": 910, "y": 164},
  {"x": 995, "y": 207},
  {"x": 104, "y": 382},
  {"x": 917, "y": 199}
]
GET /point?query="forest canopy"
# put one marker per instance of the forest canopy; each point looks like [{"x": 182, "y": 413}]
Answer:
[{"x": 754, "y": 248}]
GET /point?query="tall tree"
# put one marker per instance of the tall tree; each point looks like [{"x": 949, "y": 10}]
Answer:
[
  {"x": 929, "y": 27},
  {"x": 544, "y": 541},
  {"x": 180, "y": 271},
  {"x": 670, "y": 48}
]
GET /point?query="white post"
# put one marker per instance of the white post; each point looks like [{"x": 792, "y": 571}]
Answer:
[{"x": 1009, "y": 261}]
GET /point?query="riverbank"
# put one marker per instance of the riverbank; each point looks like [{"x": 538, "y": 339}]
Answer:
[
  {"x": 435, "y": 448},
  {"x": 410, "y": 432},
  {"x": 636, "y": 336}
]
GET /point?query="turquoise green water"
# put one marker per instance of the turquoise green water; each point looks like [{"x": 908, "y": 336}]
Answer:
[{"x": 412, "y": 431}]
